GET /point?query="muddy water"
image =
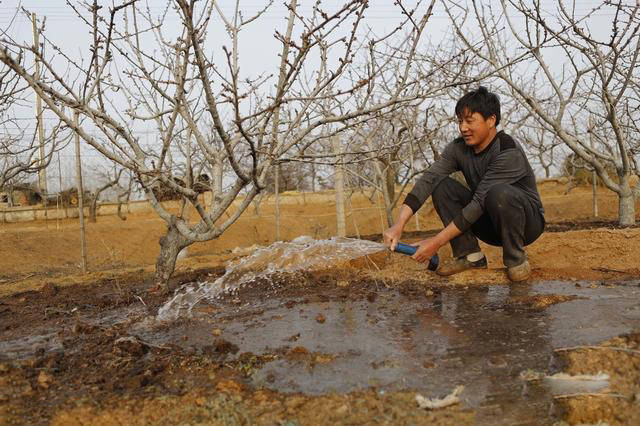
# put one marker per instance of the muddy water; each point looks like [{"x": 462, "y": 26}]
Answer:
[
  {"x": 482, "y": 338},
  {"x": 43, "y": 338}
]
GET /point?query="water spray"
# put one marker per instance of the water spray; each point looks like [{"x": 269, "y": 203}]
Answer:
[
  {"x": 411, "y": 250},
  {"x": 302, "y": 253}
]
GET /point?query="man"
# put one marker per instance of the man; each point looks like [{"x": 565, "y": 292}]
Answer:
[{"x": 502, "y": 207}]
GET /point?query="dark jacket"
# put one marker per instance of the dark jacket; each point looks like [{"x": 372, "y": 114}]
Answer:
[{"x": 502, "y": 161}]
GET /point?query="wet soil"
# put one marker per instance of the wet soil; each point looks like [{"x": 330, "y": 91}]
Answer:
[
  {"x": 621, "y": 357},
  {"x": 88, "y": 365},
  {"x": 335, "y": 342}
]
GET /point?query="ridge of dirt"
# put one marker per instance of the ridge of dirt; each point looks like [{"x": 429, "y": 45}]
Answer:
[{"x": 620, "y": 403}]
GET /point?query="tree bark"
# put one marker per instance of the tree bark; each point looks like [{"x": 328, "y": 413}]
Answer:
[
  {"x": 80, "y": 188},
  {"x": 93, "y": 209},
  {"x": 384, "y": 184},
  {"x": 626, "y": 204},
  {"x": 170, "y": 246},
  {"x": 390, "y": 179},
  {"x": 277, "y": 191},
  {"x": 120, "y": 215}
]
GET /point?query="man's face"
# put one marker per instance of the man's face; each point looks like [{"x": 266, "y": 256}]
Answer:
[{"x": 476, "y": 131}]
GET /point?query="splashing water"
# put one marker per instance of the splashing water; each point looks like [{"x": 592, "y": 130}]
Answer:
[{"x": 302, "y": 253}]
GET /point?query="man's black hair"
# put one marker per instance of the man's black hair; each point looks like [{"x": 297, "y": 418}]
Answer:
[{"x": 481, "y": 101}]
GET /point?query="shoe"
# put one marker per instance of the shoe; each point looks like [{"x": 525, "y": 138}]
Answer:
[
  {"x": 520, "y": 272},
  {"x": 461, "y": 264}
]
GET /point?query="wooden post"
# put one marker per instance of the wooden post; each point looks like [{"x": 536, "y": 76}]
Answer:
[
  {"x": 277, "y": 189},
  {"x": 66, "y": 214},
  {"x": 417, "y": 215},
  {"x": 339, "y": 188},
  {"x": 80, "y": 197},
  {"x": 42, "y": 173},
  {"x": 594, "y": 180},
  {"x": 594, "y": 175}
]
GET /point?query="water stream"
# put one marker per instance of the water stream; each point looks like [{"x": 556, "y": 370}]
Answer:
[
  {"x": 480, "y": 337},
  {"x": 302, "y": 253}
]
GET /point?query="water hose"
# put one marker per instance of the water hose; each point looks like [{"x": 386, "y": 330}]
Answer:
[{"x": 410, "y": 251}]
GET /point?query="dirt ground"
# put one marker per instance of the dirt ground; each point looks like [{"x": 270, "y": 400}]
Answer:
[{"x": 101, "y": 375}]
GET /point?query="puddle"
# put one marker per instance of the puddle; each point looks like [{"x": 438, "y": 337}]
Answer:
[
  {"x": 474, "y": 337},
  {"x": 44, "y": 339},
  {"x": 24, "y": 347}
]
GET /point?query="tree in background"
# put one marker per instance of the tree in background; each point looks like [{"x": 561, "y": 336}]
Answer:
[{"x": 545, "y": 148}]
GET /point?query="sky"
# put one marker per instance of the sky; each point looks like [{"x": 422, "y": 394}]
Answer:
[{"x": 258, "y": 47}]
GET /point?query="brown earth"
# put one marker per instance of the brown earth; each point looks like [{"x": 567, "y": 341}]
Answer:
[
  {"x": 620, "y": 358},
  {"x": 103, "y": 376}
]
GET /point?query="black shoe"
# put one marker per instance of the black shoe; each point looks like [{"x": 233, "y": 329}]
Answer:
[{"x": 461, "y": 264}]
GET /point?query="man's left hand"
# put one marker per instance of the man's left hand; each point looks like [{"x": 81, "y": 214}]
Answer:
[{"x": 426, "y": 249}]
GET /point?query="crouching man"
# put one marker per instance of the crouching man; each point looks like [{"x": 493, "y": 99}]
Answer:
[{"x": 502, "y": 208}]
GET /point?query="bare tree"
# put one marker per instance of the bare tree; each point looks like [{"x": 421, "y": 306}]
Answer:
[
  {"x": 19, "y": 146},
  {"x": 240, "y": 125},
  {"x": 568, "y": 73},
  {"x": 543, "y": 145},
  {"x": 111, "y": 180}
]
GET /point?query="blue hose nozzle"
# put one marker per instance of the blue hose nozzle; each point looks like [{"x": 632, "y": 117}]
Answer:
[{"x": 410, "y": 251}]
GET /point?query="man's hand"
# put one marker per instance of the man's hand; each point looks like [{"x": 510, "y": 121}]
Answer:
[
  {"x": 426, "y": 249},
  {"x": 392, "y": 236},
  {"x": 430, "y": 246}
]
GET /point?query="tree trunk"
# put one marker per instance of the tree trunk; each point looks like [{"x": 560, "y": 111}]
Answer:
[
  {"x": 313, "y": 177},
  {"x": 277, "y": 191},
  {"x": 93, "y": 210},
  {"x": 387, "y": 204},
  {"x": 216, "y": 189},
  {"x": 626, "y": 205},
  {"x": 390, "y": 180},
  {"x": 594, "y": 193},
  {"x": 170, "y": 246},
  {"x": 120, "y": 214},
  {"x": 80, "y": 189},
  {"x": 390, "y": 196}
]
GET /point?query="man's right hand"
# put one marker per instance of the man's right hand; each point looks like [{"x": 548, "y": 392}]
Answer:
[{"x": 392, "y": 236}]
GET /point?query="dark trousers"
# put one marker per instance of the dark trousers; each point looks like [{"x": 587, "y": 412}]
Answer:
[{"x": 510, "y": 219}]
